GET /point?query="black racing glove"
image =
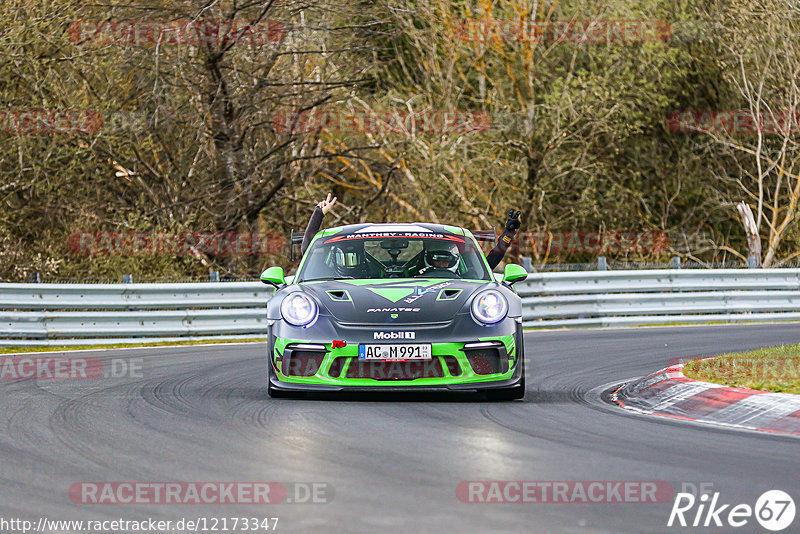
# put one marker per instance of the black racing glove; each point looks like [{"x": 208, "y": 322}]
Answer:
[{"x": 513, "y": 224}]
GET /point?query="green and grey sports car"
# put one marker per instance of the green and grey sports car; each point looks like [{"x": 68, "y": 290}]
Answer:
[{"x": 395, "y": 307}]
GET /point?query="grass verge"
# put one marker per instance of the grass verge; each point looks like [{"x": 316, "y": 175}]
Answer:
[
  {"x": 770, "y": 369},
  {"x": 64, "y": 348}
]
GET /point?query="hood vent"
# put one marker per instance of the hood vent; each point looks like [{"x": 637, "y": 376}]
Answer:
[
  {"x": 448, "y": 294},
  {"x": 339, "y": 295}
]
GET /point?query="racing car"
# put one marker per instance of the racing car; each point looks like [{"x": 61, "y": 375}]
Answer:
[{"x": 392, "y": 307}]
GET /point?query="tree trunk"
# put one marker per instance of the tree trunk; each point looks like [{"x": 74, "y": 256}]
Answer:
[
  {"x": 534, "y": 161},
  {"x": 753, "y": 240}
]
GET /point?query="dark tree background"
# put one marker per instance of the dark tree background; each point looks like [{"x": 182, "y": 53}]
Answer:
[{"x": 198, "y": 135}]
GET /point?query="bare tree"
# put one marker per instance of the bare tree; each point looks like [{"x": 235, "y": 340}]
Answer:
[{"x": 759, "y": 139}]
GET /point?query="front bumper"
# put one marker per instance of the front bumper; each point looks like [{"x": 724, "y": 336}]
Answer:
[
  {"x": 453, "y": 367},
  {"x": 393, "y": 387}
]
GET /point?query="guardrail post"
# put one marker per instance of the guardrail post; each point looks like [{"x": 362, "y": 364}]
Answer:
[
  {"x": 527, "y": 263},
  {"x": 213, "y": 276},
  {"x": 752, "y": 262},
  {"x": 35, "y": 278},
  {"x": 676, "y": 262},
  {"x": 602, "y": 264},
  {"x": 127, "y": 278}
]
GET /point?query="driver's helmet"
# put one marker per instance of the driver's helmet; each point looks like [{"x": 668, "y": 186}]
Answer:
[
  {"x": 348, "y": 260},
  {"x": 442, "y": 256}
]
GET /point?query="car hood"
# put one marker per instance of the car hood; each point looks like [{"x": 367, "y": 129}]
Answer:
[{"x": 404, "y": 301}]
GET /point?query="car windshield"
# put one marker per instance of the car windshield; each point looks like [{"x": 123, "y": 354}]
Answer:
[{"x": 394, "y": 255}]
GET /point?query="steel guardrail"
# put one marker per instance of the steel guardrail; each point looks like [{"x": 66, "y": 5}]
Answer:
[{"x": 32, "y": 314}]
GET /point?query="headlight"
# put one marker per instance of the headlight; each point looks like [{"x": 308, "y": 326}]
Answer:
[
  {"x": 489, "y": 307},
  {"x": 298, "y": 309}
]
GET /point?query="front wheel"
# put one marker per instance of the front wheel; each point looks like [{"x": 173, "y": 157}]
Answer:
[{"x": 513, "y": 393}]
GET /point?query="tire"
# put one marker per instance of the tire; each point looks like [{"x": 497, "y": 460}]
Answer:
[
  {"x": 517, "y": 392},
  {"x": 279, "y": 394},
  {"x": 512, "y": 393}
]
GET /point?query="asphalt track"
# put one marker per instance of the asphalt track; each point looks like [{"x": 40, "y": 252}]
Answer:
[{"x": 202, "y": 414}]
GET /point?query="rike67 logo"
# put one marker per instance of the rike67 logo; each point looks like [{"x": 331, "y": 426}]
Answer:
[{"x": 774, "y": 510}]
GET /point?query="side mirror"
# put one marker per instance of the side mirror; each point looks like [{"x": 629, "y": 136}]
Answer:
[
  {"x": 273, "y": 276},
  {"x": 514, "y": 273}
]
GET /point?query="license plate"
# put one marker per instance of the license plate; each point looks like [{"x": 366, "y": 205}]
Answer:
[{"x": 395, "y": 352}]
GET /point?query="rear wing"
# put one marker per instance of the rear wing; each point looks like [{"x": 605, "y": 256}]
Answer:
[{"x": 484, "y": 235}]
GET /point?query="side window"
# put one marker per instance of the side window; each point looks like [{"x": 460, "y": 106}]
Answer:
[
  {"x": 329, "y": 257},
  {"x": 470, "y": 266},
  {"x": 319, "y": 263}
]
